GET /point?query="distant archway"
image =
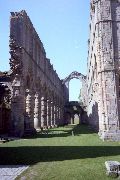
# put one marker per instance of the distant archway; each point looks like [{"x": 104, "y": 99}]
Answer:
[
  {"x": 73, "y": 109},
  {"x": 75, "y": 75}
]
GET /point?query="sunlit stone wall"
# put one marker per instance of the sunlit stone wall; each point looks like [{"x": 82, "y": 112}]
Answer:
[
  {"x": 38, "y": 95},
  {"x": 103, "y": 90}
]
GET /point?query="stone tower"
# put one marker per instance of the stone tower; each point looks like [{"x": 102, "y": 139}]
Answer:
[{"x": 103, "y": 77}]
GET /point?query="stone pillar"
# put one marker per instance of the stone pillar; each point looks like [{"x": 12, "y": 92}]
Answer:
[
  {"x": 43, "y": 112},
  {"x": 55, "y": 112},
  {"x": 36, "y": 112},
  {"x": 48, "y": 113},
  {"x": 29, "y": 115},
  {"x": 17, "y": 111},
  {"x": 28, "y": 110},
  {"x": 52, "y": 114},
  {"x": 57, "y": 115},
  {"x": 61, "y": 113},
  {"x": 39, "y": 112}
]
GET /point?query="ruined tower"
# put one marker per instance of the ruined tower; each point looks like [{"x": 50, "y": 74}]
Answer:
[{"x": 103, "y": 76}]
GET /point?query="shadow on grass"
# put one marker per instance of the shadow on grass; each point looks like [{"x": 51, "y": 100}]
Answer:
[
  {"x": 65, "y": 131},
  {"x": 31, "y": 155},
  {"x": 83, "y": 129}
]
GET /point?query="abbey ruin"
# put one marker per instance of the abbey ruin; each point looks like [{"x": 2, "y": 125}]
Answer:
[
  {"x": 32, "y": 96},
  {"x": 37, "y": 95}
]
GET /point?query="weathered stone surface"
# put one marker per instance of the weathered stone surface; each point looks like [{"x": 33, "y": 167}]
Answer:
[
  {"x": 103, "y": 107},
  {"x": 113, "y": 168}
]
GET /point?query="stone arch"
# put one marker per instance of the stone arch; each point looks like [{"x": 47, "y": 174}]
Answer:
[
  {"x": 75, "y": 75},
  {"x": 82, "y": 78},
  {"x": 72, "y": 108}
]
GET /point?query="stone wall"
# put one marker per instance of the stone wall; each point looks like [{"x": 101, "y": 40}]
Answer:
[
  {"x": 38, "y": 95},
  {"x": 103, "y": 68}
]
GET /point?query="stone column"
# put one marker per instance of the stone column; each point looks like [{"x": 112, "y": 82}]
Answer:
[
  {"x": 28, "y": 110},
  {"x": 60, "y": 115},
  {"x": 45, "y": 115},
  {"x": 36, "y": 112},
  {"x": 57, "y": 114},
  {"x": 43, "y": 112},
  {"x": 29, "y": 115},
  {"x": 55, "y": 111},
  {"x": 48, "y": 113},
  {"x": 17, "y": 111},
  {"x": 52, "y": 114},
  {"x": 39, "y": 112}
]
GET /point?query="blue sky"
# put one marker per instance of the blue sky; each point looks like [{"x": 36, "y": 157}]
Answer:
[{"x": 63, "y": 27}]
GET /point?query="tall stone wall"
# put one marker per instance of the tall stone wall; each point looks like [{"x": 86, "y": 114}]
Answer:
[
  {"x": 103, "y": 68},
  {"x": 38, "y": 95}
]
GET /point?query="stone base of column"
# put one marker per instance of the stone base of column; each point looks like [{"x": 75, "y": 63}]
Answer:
[
  {"x": 29, "y": 132},
  {"x": 45, "y": 128},
  {"x": 52, "y": 126},
  {"x": 48, "y": 127},
  {"x": 38, "y": 129},
  {"x": 110, "y": 135}
]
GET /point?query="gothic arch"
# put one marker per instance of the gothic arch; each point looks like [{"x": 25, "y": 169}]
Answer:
[
  {"x": 83, "y": 79},
  {"x": 75, "y": 75}
]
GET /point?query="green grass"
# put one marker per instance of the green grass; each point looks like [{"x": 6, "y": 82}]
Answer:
[{"x": 60, "y": 156}]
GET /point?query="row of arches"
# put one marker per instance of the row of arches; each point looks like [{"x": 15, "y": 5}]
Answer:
[{"x": 34, "y": 108}]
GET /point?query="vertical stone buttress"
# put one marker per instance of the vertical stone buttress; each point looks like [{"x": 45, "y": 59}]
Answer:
[{"x": 103, "y": 63}]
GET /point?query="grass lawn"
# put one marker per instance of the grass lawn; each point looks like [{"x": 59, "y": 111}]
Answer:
[{"x": 59, "y": 155}]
